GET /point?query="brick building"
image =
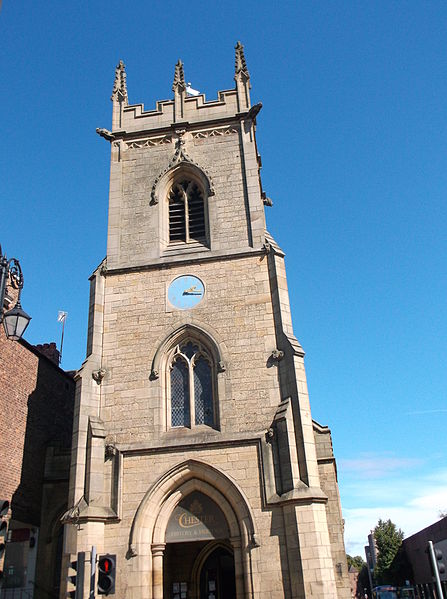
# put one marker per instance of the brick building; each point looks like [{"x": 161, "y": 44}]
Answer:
[
  {"x": 36, "y": 407},
  {"x": 195, "y": 458}
]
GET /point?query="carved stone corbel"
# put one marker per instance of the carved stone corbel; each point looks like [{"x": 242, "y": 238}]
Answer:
[
  {"x": 277, "y": 355},
  {"x": 98, "y": 375},
  {"x": 154, "y": 375},
  {"x": 110, "y": 451},
  {"x": 269, "y": 434},
  {"x": 221, "y": 367},
  {"x": 266, "y": 200}
]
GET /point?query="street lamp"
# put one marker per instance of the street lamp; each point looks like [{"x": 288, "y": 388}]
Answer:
[{"x": 16, "y": 320}]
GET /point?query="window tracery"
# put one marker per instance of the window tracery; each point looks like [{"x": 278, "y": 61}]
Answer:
[{"x": 191, "y": 386}]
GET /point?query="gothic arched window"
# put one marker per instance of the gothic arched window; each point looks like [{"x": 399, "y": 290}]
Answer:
[
  {"x": 191, "y": 386},
  {"x": 186, "y": 212}
]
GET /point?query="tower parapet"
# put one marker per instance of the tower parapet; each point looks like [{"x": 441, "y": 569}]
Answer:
[{"x": 182, "y": 109}]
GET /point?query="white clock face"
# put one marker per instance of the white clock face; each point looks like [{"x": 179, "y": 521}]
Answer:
[{"x": 186, "y": 292}]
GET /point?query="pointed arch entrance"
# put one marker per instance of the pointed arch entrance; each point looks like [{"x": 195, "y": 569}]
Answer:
[
  {"x": 199, "y": 558},
  {"x": 193, "y": 493}
]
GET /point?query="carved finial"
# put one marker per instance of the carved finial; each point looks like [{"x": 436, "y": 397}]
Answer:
[
  {"x": 179, "y": 89},
  {"x": 180, "y": 138},
  {"x": 179, "y": 78},
  {"x": 120, "y": 86},
  {"x": 242, "y": 78},
  {"x": 240, "y": 66}
]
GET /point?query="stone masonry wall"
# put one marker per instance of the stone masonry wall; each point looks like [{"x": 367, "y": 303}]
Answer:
[
  {"x": 329, "y": 484},
  {"x": 236, "y": 306},
  {"x": 141, "y": 224},
  {"x": 240, "y": 464}
]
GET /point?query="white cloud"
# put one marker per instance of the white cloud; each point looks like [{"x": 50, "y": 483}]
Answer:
[
  {"x": 360, "y": 521},
  {"x": 411, "y": 498},
  {"x": 376, "y": 466}
]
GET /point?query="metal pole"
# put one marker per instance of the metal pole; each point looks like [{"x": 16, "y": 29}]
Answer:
[
  {"x": 92, "y": 573},
  {"x": 3, "y": 277},
  {"x": 62, "y": 339},
  {"x": 79, "y": 594},
  {"x": 434, "y": 564}
]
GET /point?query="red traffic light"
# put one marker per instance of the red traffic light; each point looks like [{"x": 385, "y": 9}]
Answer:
[
  {"x": 106, "y": 574},
  {"x": 105, "y": 565}
]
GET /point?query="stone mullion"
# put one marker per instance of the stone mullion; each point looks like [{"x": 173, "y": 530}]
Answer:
[
  {"x": 168, "y": 399},
  {"x": 192, "y": 401},
  {"x": 214, "y": 393},
  {"x": 186, "y": 207}
]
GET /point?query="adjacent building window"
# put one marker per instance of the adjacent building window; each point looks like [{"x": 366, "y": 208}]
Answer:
[
  {"x": 191, "y": 386},
  {"x": 186, "y": 212}
]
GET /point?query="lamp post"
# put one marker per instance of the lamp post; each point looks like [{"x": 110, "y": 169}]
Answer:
[{"x": 16, "y": 320}]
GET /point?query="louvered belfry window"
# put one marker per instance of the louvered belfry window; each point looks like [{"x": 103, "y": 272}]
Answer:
[
  {"x": 186, "y": 213},
  {"x": 191, "y": 386}
]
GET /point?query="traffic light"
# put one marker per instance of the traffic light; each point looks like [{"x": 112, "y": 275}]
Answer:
[
  {"x": 106, "y": 574},
  {"x": 4, "y": 521},
  {"x": 76, "y": 576},
  {"x": 437, "y": 565},
  {"x": 439, "y": 561}
]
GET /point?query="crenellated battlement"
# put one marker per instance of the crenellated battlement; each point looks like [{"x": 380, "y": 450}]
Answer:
[
  {"x": 195, "y": 110},
  {"x": 185, "y": 107}
]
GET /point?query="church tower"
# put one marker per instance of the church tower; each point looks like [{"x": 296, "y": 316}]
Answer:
[{"x": 195, "y": 459}]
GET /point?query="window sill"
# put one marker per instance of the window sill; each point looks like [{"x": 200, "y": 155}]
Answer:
[
  {"x": 183, "y": 432},
  {"x": 176, "y": 249}
]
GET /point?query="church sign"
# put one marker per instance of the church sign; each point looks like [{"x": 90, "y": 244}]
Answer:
[{"x": 196, "y": 518}]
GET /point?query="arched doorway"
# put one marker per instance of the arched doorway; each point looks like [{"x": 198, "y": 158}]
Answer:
[
  {"x": 198, "y": 558},
  {"x": 148, "y": 532}
]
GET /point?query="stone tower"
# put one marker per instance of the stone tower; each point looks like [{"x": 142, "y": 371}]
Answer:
[{"x": 195, "y": 458}]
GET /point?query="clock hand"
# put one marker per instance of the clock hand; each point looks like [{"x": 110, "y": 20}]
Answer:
[{"x": 192, "y": 291}]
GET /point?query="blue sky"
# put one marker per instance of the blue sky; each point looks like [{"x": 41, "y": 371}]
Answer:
[{"x": 353, "y": 137}]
